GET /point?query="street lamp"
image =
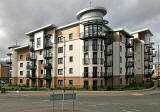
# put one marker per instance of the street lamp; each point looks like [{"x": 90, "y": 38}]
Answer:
[{"x": 64, "y": 62}]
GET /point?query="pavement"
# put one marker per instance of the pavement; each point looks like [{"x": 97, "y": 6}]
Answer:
[{"x": 87, "y": 101}]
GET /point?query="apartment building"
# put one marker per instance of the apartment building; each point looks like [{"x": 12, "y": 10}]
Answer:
[{"x": 84, "y": 54}]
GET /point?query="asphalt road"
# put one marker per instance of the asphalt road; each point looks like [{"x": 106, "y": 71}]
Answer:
[{"x": 86, "y": 102}]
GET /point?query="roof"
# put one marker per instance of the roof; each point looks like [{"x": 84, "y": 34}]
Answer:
[
  {"x": 68, "y": 25},
  {"x": 41, "y": 28},
  {"x": 21, "y": 47},
  {"x": 147, "y": 30},
  {"x": 13, "y": 46},
  {"x": 121, "y": 30},
  {"x": 102, "y": 9}
]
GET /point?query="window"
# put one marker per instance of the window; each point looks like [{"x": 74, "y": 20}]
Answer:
[
  {"x": 71, "y": 82},
  {"x": 60, "y": 50},
  {"x": 41, "y": 71},
  {"x": 120, "y": 38},
  {"x": 120, "y": 80},
  {"x": 70, "y": 70},
  {"x": 40, "y": 52},
  {"x": 60, "y": 39},
  {"x": 86, "y": 45},
  {"x": 21, "y": 56},
  {"x": 38, "y": 42},
  {"x": 70, "y": 47},
  {"x": 70, "y": 35},
  {"x": 60, "y": 71},
  {"x": 95, "y": 58},
  {"x": 21, "y": 64},
  {"x": 120, "y": 48},
  {"x": 71, "y": 59},
  {"x": 120, "y": 70},
  {"x": 60, "y": 82},
  {"x": 120, "y": 59},
  {"x": 21, "y": 72},
  {"x": 21, "y": 81},
  {"x": 95, "y": 46},
  {"x": 86, "y": 58},
  {"x": 86, "y": 72},
  {"x": 60, "y": 60}
]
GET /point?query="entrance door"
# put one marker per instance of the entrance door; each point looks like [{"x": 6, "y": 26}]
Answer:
[{"x": 94, "y": 84}]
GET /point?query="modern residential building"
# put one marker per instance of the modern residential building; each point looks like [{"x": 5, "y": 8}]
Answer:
[{"x": 84, "y": 54}]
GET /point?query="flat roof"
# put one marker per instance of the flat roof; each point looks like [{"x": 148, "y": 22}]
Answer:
[
  {"x": 41, "y": 28},
  {"x": 121, "y": 30},
  {"x": 68, "y": 25},
  {"x": 142, "y": 30},
  {"x": 21, "y": 47}
]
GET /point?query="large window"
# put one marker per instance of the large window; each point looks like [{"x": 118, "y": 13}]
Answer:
[
  {"x": 60, "y": 60},
  {"x": 60, "y": 71},
  {"x": 60, "y": 50},
  {"x": 86, "y": 45},
  {"x": 86, "y": 58},
  {"x": 95, "y": 58},
  {"x": 95, "y": 45},
  {"x": 93, "y": 30},
  {"x": 60, "y": 82}
]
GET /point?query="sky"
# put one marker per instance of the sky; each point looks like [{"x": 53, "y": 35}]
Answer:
[{"x": 20, "y": 16}]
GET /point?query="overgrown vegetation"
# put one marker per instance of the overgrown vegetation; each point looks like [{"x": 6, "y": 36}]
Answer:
[{"x": 131, "y": 87}]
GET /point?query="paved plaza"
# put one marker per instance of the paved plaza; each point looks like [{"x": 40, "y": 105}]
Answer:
[{"x": 131, "y": 101}]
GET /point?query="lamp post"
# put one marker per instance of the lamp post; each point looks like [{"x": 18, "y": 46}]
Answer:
[{"x": 64, "y": 61}]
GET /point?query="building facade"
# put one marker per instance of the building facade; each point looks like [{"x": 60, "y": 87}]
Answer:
[{"x": 85, "y": 54}]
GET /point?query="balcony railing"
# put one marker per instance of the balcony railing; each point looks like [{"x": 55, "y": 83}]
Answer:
[
  {"x": 48, "y": 66},
  {"x": 108, "y": 64},
  {"x": 33, "y": 67},
  {"x": 48, "y": 45},
  {"x": 94, "y": 74},
  {"x": 48, "y": 55},
  {"x": 93, "y": 35},
  {"x": 86, "y": 74},
  {"x": 47, "y": 77},
  {"x": 33, "y": 57},
  {"x": 28, "y": 67},
  {"x": 129, "y": 45},
  {"x": 109, "y": 52},
  {"x": 130, "y": 64},
  {"x": 129, "y": 54}
]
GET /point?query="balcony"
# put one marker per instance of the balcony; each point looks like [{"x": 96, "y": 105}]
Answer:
[
  {"x": 150, "y": 59},
  {"x": 108, "y": 41},
  {"x": 48, "y": 45},
  {"x": 48, "y": 66},
  {"x": 48, "y": 77},
  {"x": 146, "y": 66},
  {"x": 48, "y": 55},
  {"x": 31, "y": 48},
  {"x": 33, "y": 67},
  {"x": 85, "y": 74},
  {"x": 129, "y": 54},
  {"x": 108, "y": 75},
  {"x": 92, "y": 35},
  {"x": 33, "y": 57},
  {"x": 109, "y": 52},
  {"x": 108, "y": 64},
  {"x": 28, "y": 67},
  {"x": 150, "y": 52},
  {"x": 146, "y": 58},
  {"x": 154, "y": 55},
  {"x": 33, "y": 76},
  {"x": 130, "y": 64},
  {"x": 129, "y": 45}
]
